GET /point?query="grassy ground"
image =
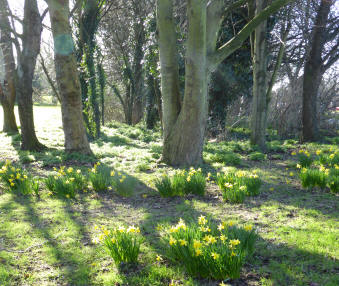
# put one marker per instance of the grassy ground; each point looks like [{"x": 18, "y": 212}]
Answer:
[{"x": 49, "y": 241}]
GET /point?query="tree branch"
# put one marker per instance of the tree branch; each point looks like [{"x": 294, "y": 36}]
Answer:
[{"x": 235, "y": 43}]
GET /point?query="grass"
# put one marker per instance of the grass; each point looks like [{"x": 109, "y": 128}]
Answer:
[{"x": 48, "y": 241}]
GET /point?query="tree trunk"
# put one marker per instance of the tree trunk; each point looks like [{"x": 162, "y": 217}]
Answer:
[
  {"x": 260, "y": 102},
  {"x": 67, "y": 78},
  {"x": 184, "y": 143},
  {"x": 313, "y": 74},
  {"x": 169, "y": 65},
  {"x": 8, "y": 93},
  {"x": 32, "y": 28}
]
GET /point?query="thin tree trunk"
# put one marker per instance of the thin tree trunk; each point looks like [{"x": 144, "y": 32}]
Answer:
[
  {"x": 184, "y": 144},
  {"x": 260, "y": 102},
  {"x": 49, "y": 79},
  {"x": 68, "y": 78},
  {"x": 32, "y": 28},
  {"x": 8, "y": 94},
  {"x": 313, "y": 74}
]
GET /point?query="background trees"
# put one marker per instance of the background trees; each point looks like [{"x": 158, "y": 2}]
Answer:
[{"x": 246, "y": 58}]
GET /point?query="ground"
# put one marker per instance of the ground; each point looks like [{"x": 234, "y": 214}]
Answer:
[{"x": 48, "y": 241}]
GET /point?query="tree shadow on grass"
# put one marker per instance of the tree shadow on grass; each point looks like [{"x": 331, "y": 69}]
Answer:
[{"x": 74, "y": 269}]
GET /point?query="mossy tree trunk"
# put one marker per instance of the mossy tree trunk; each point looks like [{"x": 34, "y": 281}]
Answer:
[{"x": 67, "y": 78}]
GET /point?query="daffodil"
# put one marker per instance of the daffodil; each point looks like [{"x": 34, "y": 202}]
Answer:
[
  {"x": 215, "y": 255},
  {"x": 202, "y": 220}
]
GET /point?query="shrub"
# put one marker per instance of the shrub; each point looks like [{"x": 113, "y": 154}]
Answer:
[
  {"x": 66, "y": 183},
  {"x": 183, "y": 182},
  {"x": 305, "y": 159},
  {"x": 208, "y": 251},
  {"x": 313, "y": 177},
  {"x": 257, "y": 156},
  {"x": 122, "y": 244},
  {"x": 100, "y": 177},
  {"x": 228, "y": 158},
  {"x": 17, "y": 180},
  {"x": 235, "y": 186}
]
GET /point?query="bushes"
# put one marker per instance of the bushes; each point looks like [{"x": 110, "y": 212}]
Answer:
[
  {"x": 122, "y": 244},
  {"x": 228, "y": 158},
  {"x": 235, "y": 186},
  {"x": 17, "y": 180},
  {"x": 257, "y": 156},
  {"x": 182, "y": 183},
  {"x": 208, "y": 251}
]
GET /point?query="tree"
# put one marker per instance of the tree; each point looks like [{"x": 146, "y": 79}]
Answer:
[
  {"x": 185, "y": 120},
  {"x": 124, "y": 44},
  {"x": 7, "y": 88},
  {"x": 317, "y": 62},
  {"x": 67, "y": 78},
  {"x": 262, "y": 85},
  {"x": 88, "y": 54}
]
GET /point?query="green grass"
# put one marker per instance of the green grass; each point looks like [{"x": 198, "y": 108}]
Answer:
[{"x": 48, "y": 241}]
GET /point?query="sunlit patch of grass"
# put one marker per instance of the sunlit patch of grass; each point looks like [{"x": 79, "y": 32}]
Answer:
[{"x": 297, "y": 230}]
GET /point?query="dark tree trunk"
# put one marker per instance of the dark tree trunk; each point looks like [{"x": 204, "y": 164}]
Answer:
[
  {"x": 8, "y": 91},
  {"x": 313, "y": 74},
  {"x": 32, "y": 29}
]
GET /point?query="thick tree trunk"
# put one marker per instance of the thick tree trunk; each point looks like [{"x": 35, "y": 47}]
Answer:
[
  {"x": 313, "y": 74},
  {"x": 169, "y": 65},
  {"x": 184, "y": 143},
  {"x": 32, "y": 29},
  {"x": 8, "y": 93},
  {"x": 67, "y": 78},
  {"x": 260, "y": 102}
]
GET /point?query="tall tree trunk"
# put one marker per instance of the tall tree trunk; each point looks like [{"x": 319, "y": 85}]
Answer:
[
  {"x": 138, "y": 96},
  {"x": 67, "y": 78},
  {"x": 313, "y": 74},
  {"x": 32, "y": 28},
  {"x": 8, "y": 94},
  {"x": 184, "y": 143},
  {"x": 169, "y": 65},
  {"x": 260, "y": 102}
]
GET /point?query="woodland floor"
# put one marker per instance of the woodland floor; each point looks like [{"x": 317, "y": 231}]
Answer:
[{"x": 49, "y": 241}]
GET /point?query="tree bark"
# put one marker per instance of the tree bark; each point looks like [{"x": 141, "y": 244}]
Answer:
[
  {"x": 313, "y": 74},
  {"x": 32, "y": 28},
  {"x": 169, "y": 65},
  {"x": 184, "y": 124},
  {"x": 8, "y": 94},
  {"x": 184, "y": 144},
  {"x": 67, "y": 78},
  {"x": 260, "y": 102}
]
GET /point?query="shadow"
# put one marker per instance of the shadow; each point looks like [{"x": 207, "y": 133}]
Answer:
[{"x": 74, "y": 268}]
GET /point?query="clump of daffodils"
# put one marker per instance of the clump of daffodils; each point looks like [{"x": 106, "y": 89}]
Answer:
[
  {"x": 66, "y": 182},
  {"x": 122, "y": 243},
  {"x": 183, "y": 182},
  {"x": 236, "y": 185},
  {"x": 17, "y": 180},
  {"x": 209, "y": 250},
  {"x": 324, "y": 174}
]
